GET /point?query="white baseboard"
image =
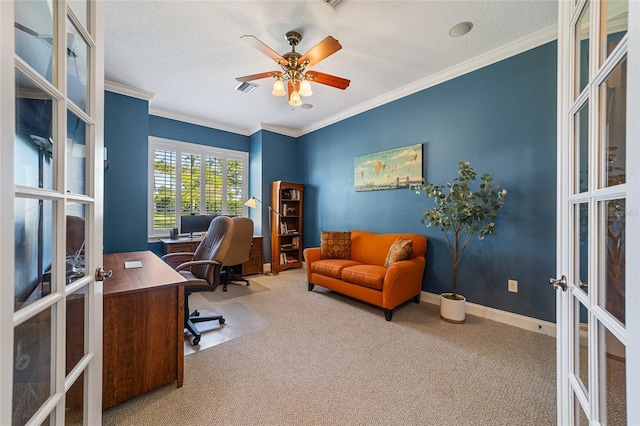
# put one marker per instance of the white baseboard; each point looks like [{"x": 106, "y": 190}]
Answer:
[{"x": 516, "y": 320}]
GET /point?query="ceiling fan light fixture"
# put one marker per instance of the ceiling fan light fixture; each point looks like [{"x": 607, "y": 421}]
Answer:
[
  {"x": 294, "y": 99},
  {"x": 278, "y": 88},
  {"x": 305, "y": 88}
]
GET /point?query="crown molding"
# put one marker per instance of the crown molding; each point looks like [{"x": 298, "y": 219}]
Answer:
[
  {"x": 280, "y": 130},
  {"x": 128, "y": 90},
  {"x": 514, "y": 48},
  {"x": 198, "y": 121}
]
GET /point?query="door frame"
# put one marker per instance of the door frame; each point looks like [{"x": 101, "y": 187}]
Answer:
[
  {"x": 94, "y": 169},
  {"x": 564, "y": 299}
]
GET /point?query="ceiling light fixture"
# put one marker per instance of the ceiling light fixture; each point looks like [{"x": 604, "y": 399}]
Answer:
[
  {"x": 294, "y": 78},
  {"x": 460, "y": 29}
]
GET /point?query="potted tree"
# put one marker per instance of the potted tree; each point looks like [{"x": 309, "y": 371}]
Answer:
[{"x": 462, "y": 214}]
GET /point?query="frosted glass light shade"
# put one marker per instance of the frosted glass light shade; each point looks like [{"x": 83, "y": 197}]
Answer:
[
  {"x": 295, "y": 100},
  {"x": 305, "y": 88},
  {"x": 278, "y": 89}
]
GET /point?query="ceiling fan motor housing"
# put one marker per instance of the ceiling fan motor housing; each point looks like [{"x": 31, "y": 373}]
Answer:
[{"x": 293, "y": 37}]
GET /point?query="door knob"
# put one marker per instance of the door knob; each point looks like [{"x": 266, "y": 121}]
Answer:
[
  {"x": 101, "y": 274},
  {"x": 562, "y": 283}
]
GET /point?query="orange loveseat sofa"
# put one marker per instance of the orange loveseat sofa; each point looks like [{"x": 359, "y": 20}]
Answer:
[{"x": 364, "y": 275}]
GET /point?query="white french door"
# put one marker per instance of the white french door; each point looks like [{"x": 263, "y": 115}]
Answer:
[
  {"x": 51, "y": 190},
  {"x": 598, "y": 212}
]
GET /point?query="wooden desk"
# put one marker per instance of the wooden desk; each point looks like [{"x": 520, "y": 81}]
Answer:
[
  {"x": 251, "y": 266},
  {"x": 143, "y": 342}
]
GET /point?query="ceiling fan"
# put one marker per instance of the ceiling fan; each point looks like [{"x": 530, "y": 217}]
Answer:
[{"x": 294, "y": 67}]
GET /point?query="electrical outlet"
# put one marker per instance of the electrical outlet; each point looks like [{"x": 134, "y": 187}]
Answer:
[{"x": 513, "y": 286}]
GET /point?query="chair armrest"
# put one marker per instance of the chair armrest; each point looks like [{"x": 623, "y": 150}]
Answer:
[
  {"x": 181, "y": 253},
  {"x": 196, "y": 262},
  {"x": 402, "y": 281}
]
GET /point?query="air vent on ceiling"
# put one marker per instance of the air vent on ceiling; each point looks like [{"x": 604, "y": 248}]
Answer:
[
  {"x": 333, "y": 3},
  {"x": 246, "y": 87}
]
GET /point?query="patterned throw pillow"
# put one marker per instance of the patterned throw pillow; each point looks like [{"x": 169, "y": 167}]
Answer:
[
  {"x": 335, "y": 245},
  {"x": 399, "y": 250}
]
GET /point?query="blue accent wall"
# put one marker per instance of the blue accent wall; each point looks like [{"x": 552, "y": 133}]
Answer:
[
  {"x": 128, "y": 126},
  {"x": 501, "y": 118},
  {"x": 278, "y": 161},
  {"x": 126, "y": 133},
  {"x": 186, "y": 132}
]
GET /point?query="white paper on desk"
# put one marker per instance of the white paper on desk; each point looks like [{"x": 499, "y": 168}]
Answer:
[{"x": 132, "y": 264}]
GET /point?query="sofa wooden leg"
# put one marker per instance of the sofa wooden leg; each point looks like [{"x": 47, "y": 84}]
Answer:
[
  {"x": 416, "y": 299},
  {"x": 387, "y": 314},
  {"x": 310, "y": 286}
]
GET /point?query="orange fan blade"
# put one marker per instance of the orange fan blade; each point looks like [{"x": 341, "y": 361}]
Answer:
[
  {"x": 320, "y": 51},
  {"x": 259, "y": 76},
  {"x": 328, "y": 79},
  {"x": 253, "y": 41}
]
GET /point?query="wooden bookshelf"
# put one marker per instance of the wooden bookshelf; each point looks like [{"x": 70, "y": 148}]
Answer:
[{"x": 286, "y": 225}]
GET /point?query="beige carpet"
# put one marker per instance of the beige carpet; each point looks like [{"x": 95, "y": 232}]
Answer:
[{"x": 324, "y": 359}]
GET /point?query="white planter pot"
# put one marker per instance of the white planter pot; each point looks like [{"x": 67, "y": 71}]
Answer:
[{"x": 452, "y": 310}]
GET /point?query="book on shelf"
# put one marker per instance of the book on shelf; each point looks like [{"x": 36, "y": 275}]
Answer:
[
  {"x": 291, "y": 194},
  {"x": 291, "y": 259},
  {"x": 283, "y": 227}
]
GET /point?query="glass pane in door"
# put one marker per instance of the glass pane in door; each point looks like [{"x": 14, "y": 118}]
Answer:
[
  {"x": 75, "y": 241},
  {"x": 76, "y": 348},
  {"x": 615, "y": 24},
  {"x": 33, "y": 142},
  {"x": 582, "y": 249},
  {"x": 613, "y": 120},
  {"x": 581, "y": 333},
  {"x": 581, "y": 136},
  {"x": 34, "y": 37},
  {"x": 581, "y": 418},
  {"x": 34, "y": 243},
  {"x": 612, "y": 223},
  {"x": 74, "y": 403},
  {"x": 77, "y": 60},
  {"x": 76, "y": 154},
  {"x": 582, "y": 48},
  {"x": 614, "y": 404},
  {"x": 32, "y": 366},
  {"x": 79, "y": 8}
]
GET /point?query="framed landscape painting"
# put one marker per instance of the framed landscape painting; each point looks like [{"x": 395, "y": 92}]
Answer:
[{"x": 392, "y": 169}]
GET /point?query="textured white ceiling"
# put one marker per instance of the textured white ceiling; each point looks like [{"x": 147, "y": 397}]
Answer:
[{"x": 189, "y": 52}]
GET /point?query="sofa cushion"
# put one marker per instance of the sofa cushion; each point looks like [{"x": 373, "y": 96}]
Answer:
[
  {"x": 331, "y": 267},
  {"x": 371, "y": 276},
  {"x": 400, "y": 250},
  {"x": 335, "y": 245}
]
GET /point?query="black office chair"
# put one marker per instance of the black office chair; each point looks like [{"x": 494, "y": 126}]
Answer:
[
  {"x": 203, "y": 271},
  {"x": 239, "y": 251}
]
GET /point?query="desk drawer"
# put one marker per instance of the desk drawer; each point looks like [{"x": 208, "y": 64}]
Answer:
[{"x": 182, "y": 247}]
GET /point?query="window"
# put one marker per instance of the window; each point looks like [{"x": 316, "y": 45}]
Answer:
[{"x": 187, "y": 179}]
